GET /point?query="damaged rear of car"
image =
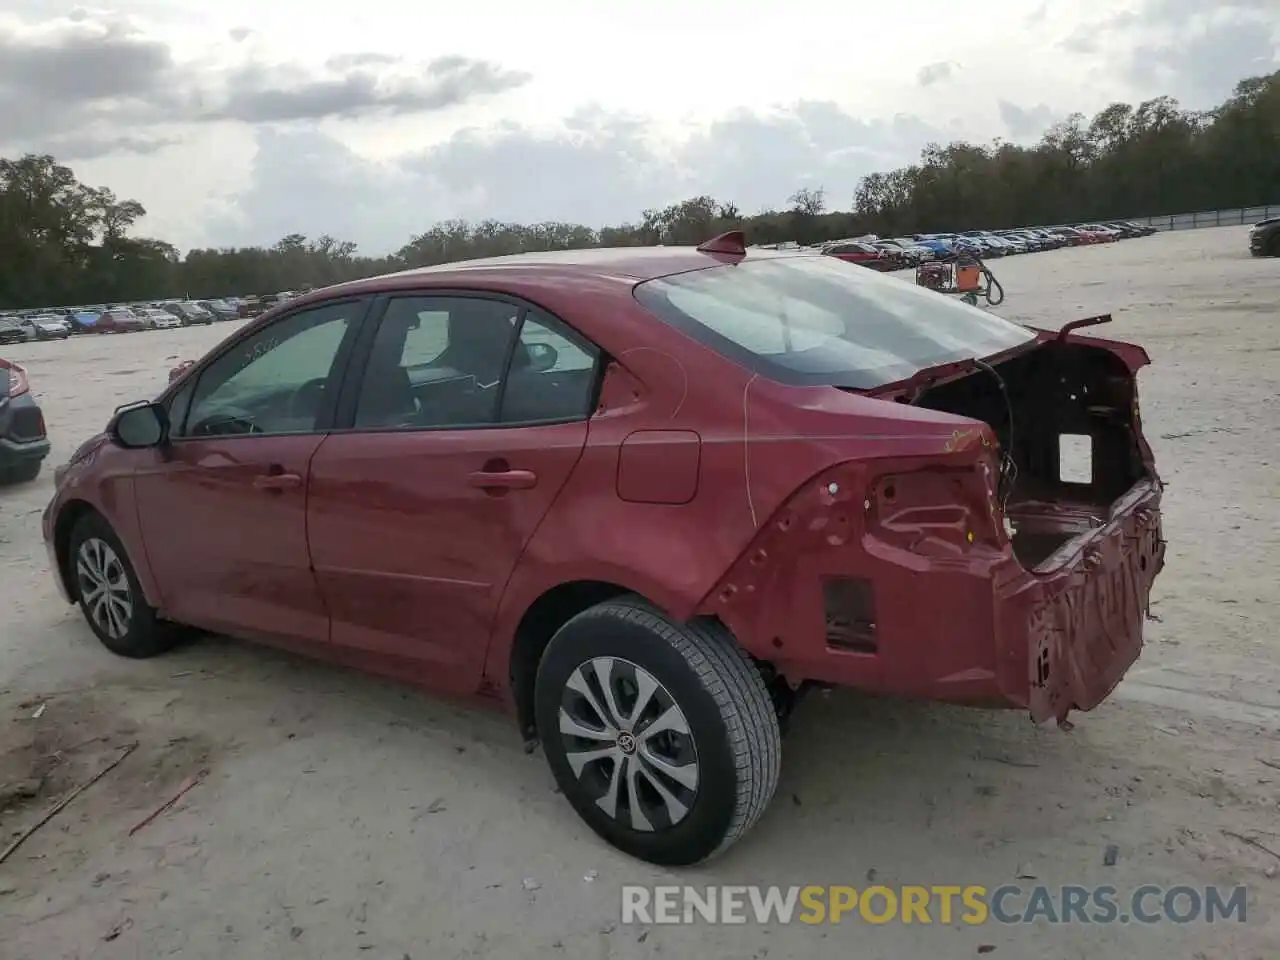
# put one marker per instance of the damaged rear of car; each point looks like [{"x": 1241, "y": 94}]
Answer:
[
  {"x": 1078, "y": 504},
  {"x": 985, "y": 527}
]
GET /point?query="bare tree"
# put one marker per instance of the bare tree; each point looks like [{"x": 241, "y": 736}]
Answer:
[{"x": 809, "y": 202}]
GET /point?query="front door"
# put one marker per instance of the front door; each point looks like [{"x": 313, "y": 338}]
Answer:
[
  {"x": 469, "y": 417},
  {"x": 223, "y": 505}
]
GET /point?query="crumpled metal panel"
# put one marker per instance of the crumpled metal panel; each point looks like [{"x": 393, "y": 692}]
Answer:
[{"x": 1086, "y": 627}]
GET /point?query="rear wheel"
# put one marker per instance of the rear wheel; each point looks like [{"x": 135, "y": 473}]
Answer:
[
  {"x": 109, "y": 593},
  {"x": 661, "y": 734},
  {"x": 20, "y": 472}
]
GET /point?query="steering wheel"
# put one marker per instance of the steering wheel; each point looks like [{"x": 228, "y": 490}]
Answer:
[
  {"x": 312, "y": 392},
  {"x": 229, "y": 423}
]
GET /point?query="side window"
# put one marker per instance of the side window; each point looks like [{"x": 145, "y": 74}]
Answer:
[
  {"x": 552, "y": 374},
  {"x": 179, "y": 404},
  {"x": 436, "y": 362},
  {"x": 276, "y": 380}
]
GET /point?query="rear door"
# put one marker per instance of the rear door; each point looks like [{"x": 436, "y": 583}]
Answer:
[{"x": 464, "y": 424}]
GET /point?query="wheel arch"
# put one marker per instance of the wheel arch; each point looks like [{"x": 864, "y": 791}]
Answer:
[
  {"x": 541, "y": 619},
  {"x": 70, "y": 514}
]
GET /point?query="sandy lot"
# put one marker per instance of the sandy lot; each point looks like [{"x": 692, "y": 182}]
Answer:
[{"x": 346, "y": 817}]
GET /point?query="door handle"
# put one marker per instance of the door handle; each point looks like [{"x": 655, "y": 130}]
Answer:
[
  {"x": 277, "y": 481},
  {"x": 503, "y": 479}
]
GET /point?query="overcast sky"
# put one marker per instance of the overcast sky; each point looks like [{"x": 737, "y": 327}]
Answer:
[{"x": 243, "y": 121}]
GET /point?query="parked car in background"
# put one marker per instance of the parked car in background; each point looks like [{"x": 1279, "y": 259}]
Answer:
[
  {"x": 963, "y": 244},
  {"x": 46, "y": 326},
  {"x": 923, "y": 251},
  {"x": 24, "y": 442},
  {"x": 1074, "y": 237},
  {"x": 1104, "y": 234},
  {"x": 1030, "y": 242},
  {"x": 1052, "y": 241},
  {"x": 83, "y": 321},
  {"x": 412, "y": 473},
  {"x": 156, "y": 319},
  {"x": 941, "y": 249},
  {"x": 863, "y": 254},
  {"x": 12, "y": 331},
  {"x": 188, "y": 312},
  {"x": 241, "y": 305},
  {"x": 908, "y": 255},
  {"x": 989, "y": 244},
  {"x": 221, "y": 309},
  {"x": 118, "y": 320},
  {"x": 1264, "y": 238}
]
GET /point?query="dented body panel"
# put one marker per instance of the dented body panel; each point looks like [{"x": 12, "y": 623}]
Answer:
[{"x": 897, "y": 573}]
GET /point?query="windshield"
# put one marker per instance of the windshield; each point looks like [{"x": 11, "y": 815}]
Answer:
[{"x": 819, "y": 320}]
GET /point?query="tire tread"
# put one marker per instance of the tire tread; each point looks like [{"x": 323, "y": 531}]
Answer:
[{"x": 732, "y": 680}]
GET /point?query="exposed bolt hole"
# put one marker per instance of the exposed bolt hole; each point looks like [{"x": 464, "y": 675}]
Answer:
[
  {"x": 890, "y": 491},
  {"x": 777, "y": 642}
]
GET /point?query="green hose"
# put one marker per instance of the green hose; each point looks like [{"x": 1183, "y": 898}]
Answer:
[{"x": 995, "y": 292}]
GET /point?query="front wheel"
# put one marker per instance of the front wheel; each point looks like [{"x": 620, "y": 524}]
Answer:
[
  {"x": 109, "y": 593},
  {"x": 661, "y": 734}
]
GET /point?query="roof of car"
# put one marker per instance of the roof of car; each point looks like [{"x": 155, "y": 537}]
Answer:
[{"x": 629, "y": 263}]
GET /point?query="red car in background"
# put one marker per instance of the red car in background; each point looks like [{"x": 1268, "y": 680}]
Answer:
[
  {"x": 1099, "y": 233},
  {"x": 119, "y": 320},
  {"x": 1073, "y": 236},
  {"x": 863, "y": 254},
  {"x": 645, "y": 497}
]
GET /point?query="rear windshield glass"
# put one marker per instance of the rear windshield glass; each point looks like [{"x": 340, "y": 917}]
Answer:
[{"x": 819, "y": 320}]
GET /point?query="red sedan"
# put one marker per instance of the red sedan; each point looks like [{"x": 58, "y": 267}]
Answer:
[
  {"x": 119, "y": 320},
  {"x": 644, "y": 497},
  {"x": 863, "y": 254}
]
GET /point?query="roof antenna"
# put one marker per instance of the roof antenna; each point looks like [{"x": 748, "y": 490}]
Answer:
[{"x": 732, "y": 243}]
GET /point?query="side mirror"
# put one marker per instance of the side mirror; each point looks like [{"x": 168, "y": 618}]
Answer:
[
  {"x": 139, "y": 427},
  {"x": 542, "y": 357}
]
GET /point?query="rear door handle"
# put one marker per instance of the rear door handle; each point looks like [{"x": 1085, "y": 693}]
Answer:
[
  {"x": 277, "y": 481},
  {"x": 503, "y": 479}
]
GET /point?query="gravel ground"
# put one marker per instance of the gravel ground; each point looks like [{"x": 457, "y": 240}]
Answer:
[{"x": 341, "y": 816}]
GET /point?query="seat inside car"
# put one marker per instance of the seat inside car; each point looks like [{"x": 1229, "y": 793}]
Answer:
[
  {"x": 455, "y": 387},
  {"x": 479, "y": 336}
]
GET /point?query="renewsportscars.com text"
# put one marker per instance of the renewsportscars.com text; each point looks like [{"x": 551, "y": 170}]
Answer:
[{"x": 942, "y": 904}]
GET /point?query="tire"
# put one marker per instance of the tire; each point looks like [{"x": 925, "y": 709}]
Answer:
[
  {"x": 20, "y": 472},
  {"x": 720, "y": 743},
  {"x": 123, "y": 621}
]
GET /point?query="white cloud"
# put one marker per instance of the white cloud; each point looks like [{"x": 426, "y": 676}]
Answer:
[{"x": 242, "y": 121}]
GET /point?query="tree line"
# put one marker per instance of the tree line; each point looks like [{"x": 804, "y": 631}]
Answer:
[{"x": 63, "y": 242}]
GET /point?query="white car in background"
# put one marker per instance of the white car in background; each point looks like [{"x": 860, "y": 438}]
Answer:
[
  {"x": 156, "y": 319},
  {"x": 46, "y": 326}
]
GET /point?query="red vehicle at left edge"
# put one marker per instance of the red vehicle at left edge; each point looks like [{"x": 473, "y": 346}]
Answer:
[{"x": 643, "y": 497}]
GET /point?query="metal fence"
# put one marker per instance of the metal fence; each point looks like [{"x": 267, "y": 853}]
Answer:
[{"x": 1211, "y": 218}]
